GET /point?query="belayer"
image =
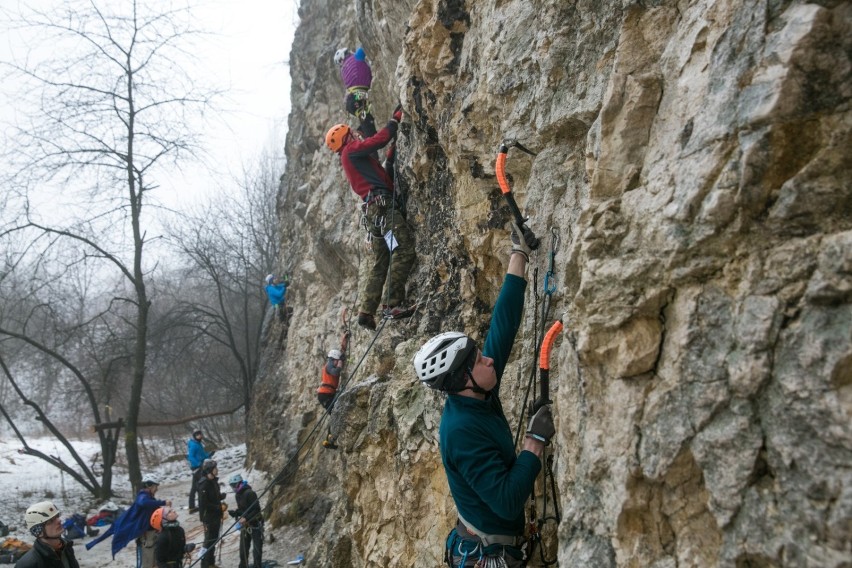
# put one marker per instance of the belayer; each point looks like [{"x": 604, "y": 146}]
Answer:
[
  {"x": 489, "y": 483},
  {"x": 170, "y": 546},
  {"x": 135, "y": 523},
  {"x": 382, "y": 218},
  {"x": 211, "y": 505},
  {"x": 250, "y": 520}
]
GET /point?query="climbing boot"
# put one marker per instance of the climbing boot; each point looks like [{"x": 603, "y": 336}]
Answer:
[
  {"x": 398, "y": 312},
  {"x": 367, "y": 320}
]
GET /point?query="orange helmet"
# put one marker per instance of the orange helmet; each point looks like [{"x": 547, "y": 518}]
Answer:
[
  {"x": 157, "y": 519},
  {"x": 336, "y": 136}
]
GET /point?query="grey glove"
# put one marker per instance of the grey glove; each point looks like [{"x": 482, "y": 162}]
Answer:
[
  {"x": 541, "y": 425},
  {"x": 524, "y": 240}
]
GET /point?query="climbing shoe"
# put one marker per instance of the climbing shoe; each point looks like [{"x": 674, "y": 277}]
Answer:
[
  {"x": 367, "y": 320},
  {"x": 398, "y": 312}
]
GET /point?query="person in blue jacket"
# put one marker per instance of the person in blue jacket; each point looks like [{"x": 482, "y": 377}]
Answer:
[
  {"x": 135, "y": 523},
  {"x": 195, "y": 454},
  {"x": 489, "y": 483},
  {"x": 276, "y": 291}
]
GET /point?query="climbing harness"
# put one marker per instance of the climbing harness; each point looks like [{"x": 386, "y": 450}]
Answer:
[
  {"x": 466, "y": 545},
  {"x": 358, "y": 102}
]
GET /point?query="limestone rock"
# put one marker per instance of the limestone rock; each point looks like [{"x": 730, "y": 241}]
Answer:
[{"x": 693, "y": 159}]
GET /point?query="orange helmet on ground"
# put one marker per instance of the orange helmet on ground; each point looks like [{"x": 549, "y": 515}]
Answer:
[
  {"x": 336, "y": 136},
  {"x": 157, "y": 519}
]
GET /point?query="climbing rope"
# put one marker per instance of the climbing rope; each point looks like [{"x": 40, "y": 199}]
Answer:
[{"x": 297, "y": 454}]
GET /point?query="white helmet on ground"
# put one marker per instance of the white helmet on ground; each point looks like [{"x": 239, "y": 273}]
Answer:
[
  {"x": 340, "y": 55},
  {"x": 439, "y": 361},
  {"x": 39, "y": 514},
  {"x": 335, "y": 354}
]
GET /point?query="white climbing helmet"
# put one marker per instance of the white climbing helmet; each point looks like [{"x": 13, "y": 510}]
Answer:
[
  {"x": 270, "y": 278},
  {"x": 150, "y": 480},
  {"x": 335, "y": 354},
  {"x": 39, "y": 514},
  {"x": 438, "y": 360},
  {"x": 340, "y": 55}
]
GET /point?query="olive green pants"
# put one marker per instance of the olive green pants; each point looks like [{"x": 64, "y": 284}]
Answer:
[{"x": 381, "y": 217}]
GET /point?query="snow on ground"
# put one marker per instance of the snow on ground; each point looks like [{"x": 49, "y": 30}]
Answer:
[{"x": 26, "y": 480}]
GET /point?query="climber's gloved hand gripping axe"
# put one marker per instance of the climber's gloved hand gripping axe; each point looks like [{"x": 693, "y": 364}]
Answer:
[{"x": 500, "y": 167}]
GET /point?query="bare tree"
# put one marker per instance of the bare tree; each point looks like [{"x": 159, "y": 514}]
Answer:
[
  {"x": 231, "y": 245},
  {"x": 111, "y": 109},
  {"x": 69, "y": 361}
]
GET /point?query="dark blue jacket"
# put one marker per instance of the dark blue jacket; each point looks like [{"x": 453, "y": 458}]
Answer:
[
  {"x": 132, "y": 523},
  {"x": 489, "y": 482}
]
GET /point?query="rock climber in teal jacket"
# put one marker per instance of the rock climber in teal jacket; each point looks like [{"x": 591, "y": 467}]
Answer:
[{"x": 489, "y": 482}]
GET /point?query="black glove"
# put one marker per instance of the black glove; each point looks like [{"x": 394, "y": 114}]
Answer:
[
  {"x": 397, "y": 113},
  {"x": 190, "y": 546},
  {"x": 233, "y": 513},
  {"x": 524, "y": 240},
  {"x": 541, "y": 425}
]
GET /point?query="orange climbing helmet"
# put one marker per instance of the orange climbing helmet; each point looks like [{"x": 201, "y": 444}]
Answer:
[
  {"x": 157, "y": 519},
  {"x": 337, "y": 136},
  {"x": 162, "y": 515}
]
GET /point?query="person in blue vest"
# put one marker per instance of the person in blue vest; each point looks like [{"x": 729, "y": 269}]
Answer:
[
  {"x": 489, "y": 483},
  {"x": 196, "y": 454},
  {"x": 50, "y": 550},
  {"x": 135, "y": 523}
]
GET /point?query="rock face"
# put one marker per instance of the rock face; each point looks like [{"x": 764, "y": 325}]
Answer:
[{"x": 693, "y": 159}]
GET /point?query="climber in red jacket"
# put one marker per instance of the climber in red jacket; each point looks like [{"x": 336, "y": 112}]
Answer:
[{"x": 386, "y": 226}]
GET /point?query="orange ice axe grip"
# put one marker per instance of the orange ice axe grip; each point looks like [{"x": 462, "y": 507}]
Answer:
[
  {"x": 504, "y": 185},
  {"x": 544, "y": 363}
]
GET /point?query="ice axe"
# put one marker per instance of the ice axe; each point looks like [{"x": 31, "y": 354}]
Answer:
[
  {"x": 502, "y": 154},
  {"x": 544, "y": 365}
]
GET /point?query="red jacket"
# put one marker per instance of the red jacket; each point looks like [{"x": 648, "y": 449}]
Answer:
[{"x": 363, "y": 171}]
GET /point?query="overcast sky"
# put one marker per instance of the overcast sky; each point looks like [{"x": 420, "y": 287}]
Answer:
[
  {"x": 248, "y": 54},
  {"x": 252, "y": 58}
]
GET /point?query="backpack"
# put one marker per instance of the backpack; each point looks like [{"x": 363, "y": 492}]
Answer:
[
  {"x": 75, "y": 526},
  {"x": 12, "y": 549}
]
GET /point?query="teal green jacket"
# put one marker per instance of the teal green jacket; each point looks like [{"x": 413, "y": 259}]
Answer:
[{"x": 489, "y": 483}]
